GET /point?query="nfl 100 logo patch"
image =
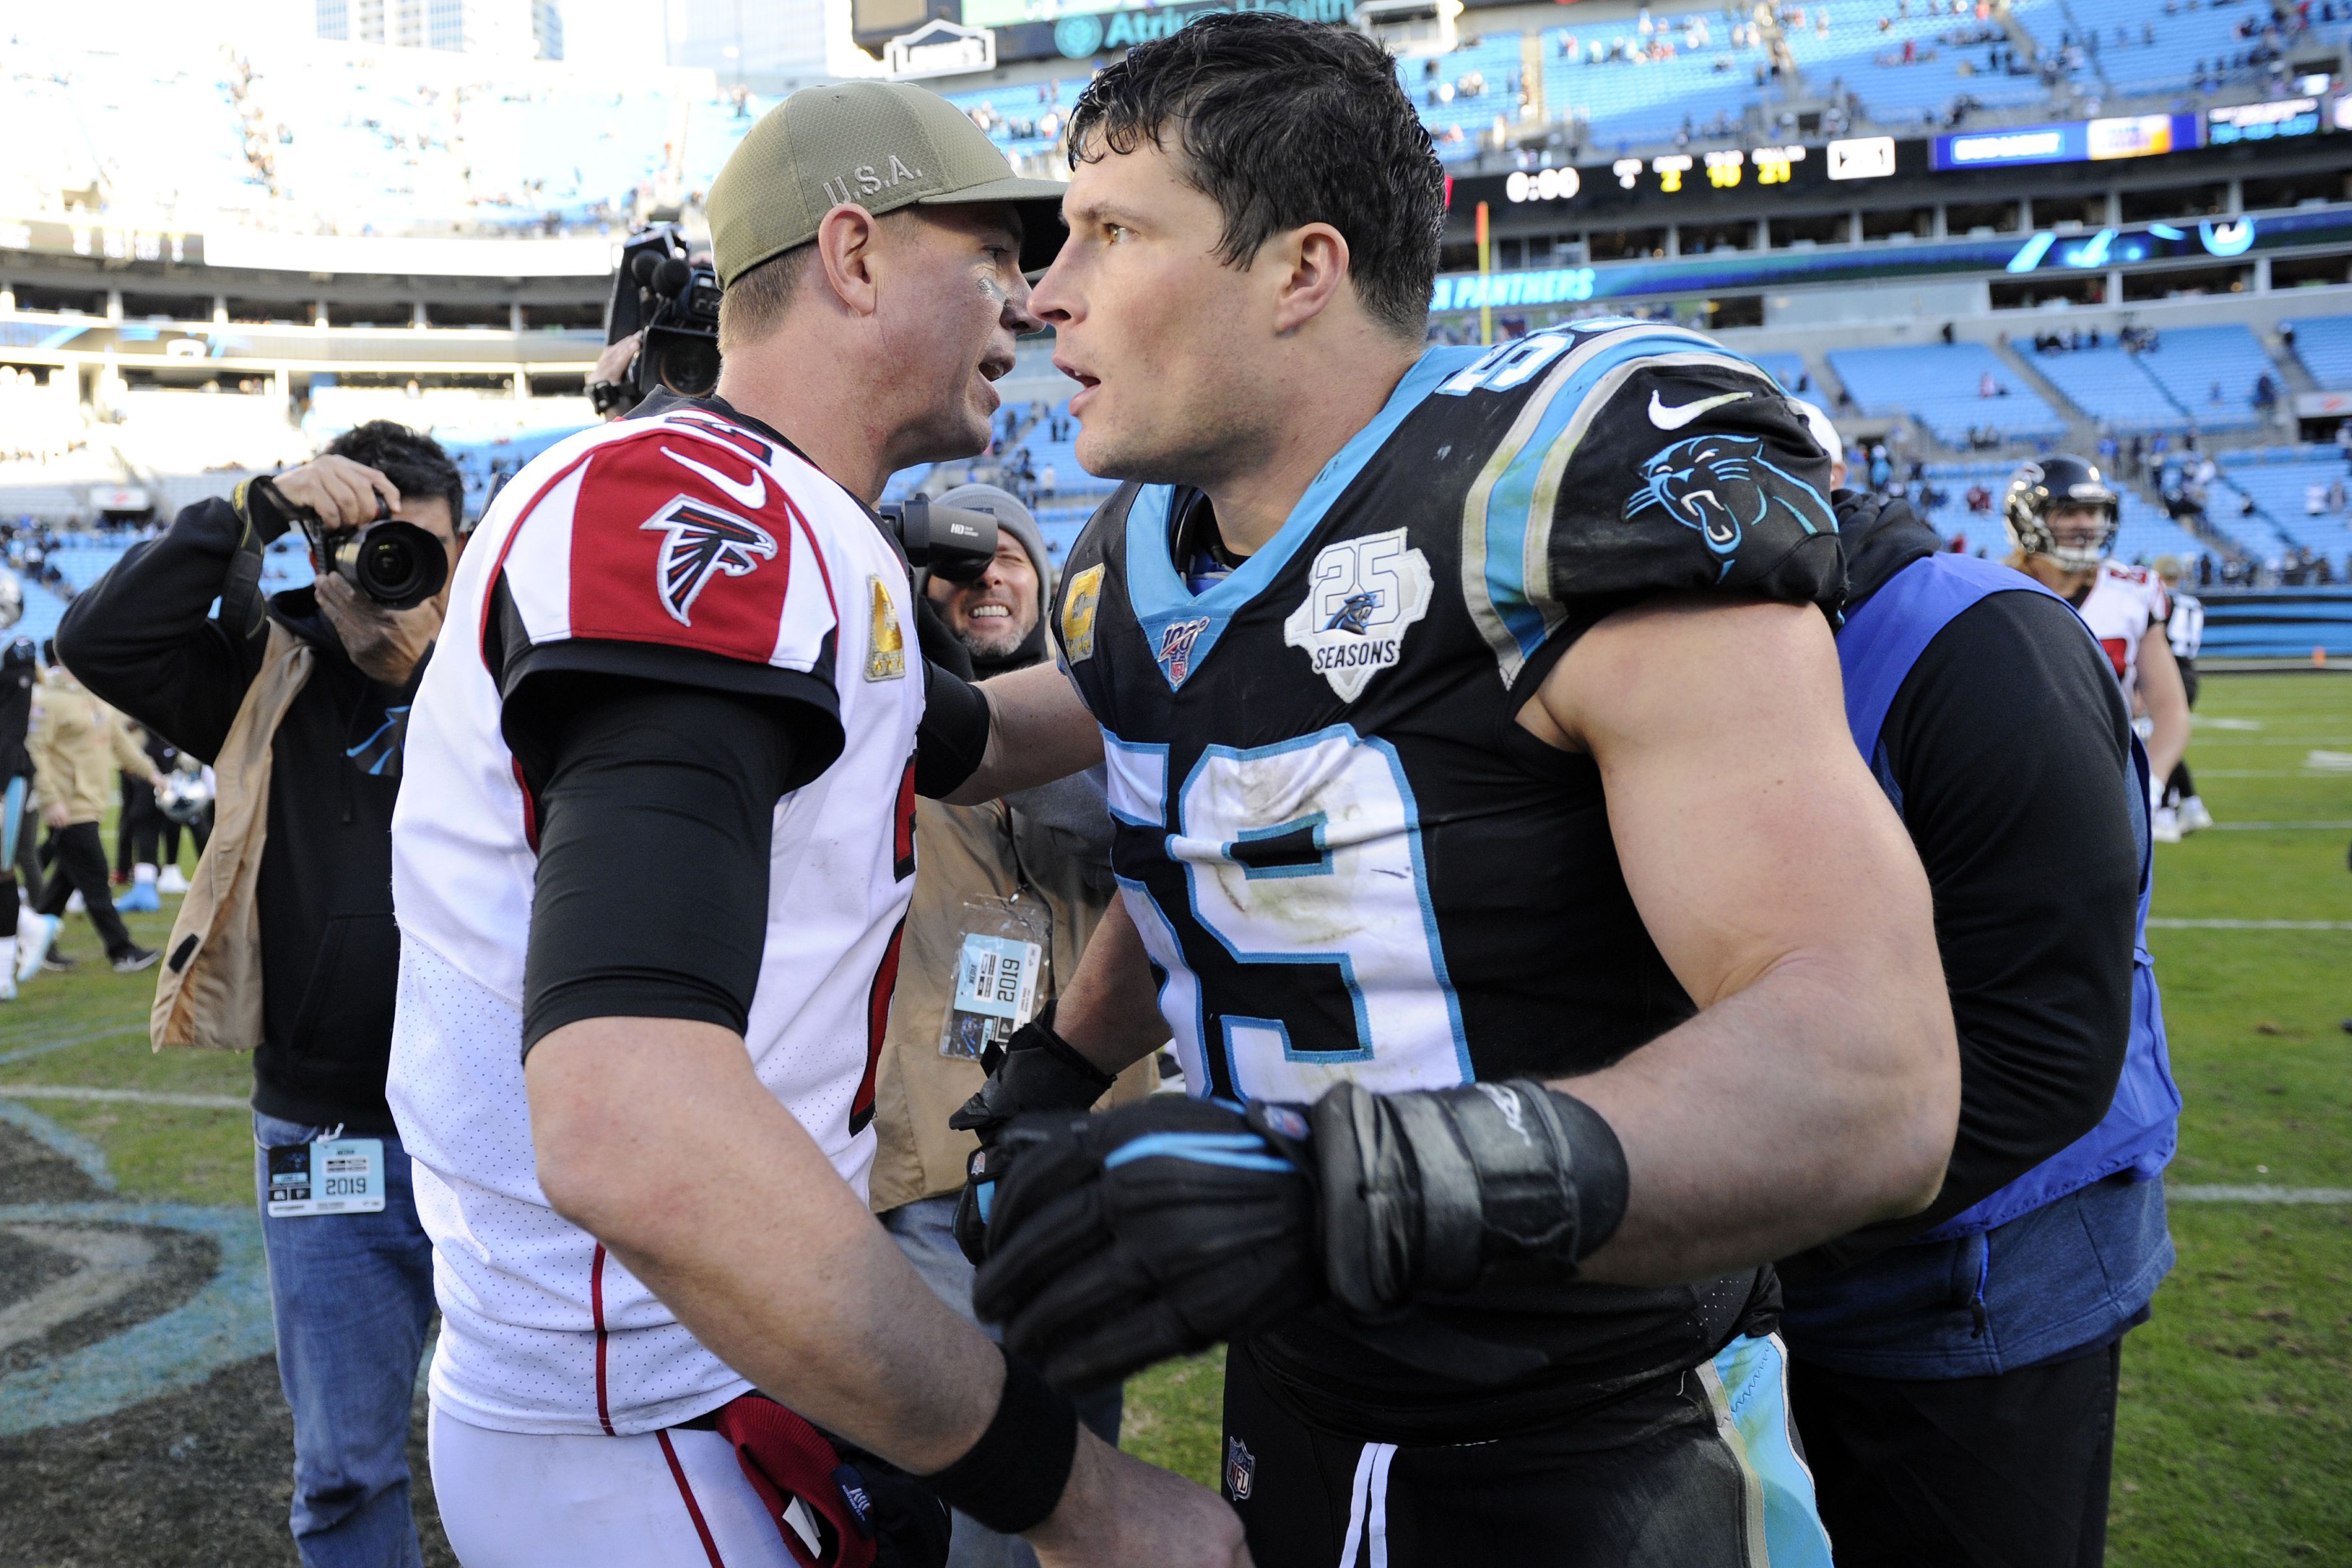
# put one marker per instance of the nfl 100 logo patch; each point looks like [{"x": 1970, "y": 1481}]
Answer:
[{"x": 1363, "y": 596}]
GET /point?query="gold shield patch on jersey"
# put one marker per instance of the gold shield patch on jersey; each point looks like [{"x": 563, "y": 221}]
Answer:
[
  {"x": 885, "y": 644},
  {"x": 1078, "y": 613}
]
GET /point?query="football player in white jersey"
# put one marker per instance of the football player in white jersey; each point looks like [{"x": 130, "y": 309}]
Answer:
[
  {"x": 650, "y": 863},
  {"x": 2062, "y": 516},
  {"x": 2187, "y": 631}
]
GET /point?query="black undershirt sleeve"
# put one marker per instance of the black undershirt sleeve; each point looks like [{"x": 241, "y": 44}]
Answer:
[
  {"x": 2009, "y": 744},
  {"x": 655, "y": 804}
]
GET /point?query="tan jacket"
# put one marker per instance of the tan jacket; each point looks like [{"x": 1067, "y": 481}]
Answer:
[
  {"x": 964, "y": 851},
  {"x": 78, "y": 744},
  {"x": 209, "y": 994}
]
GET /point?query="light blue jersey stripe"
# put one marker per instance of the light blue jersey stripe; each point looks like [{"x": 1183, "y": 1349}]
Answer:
[
  {"x": 1511, "y": 505},
  {"x": 1749, "y": 1383}
]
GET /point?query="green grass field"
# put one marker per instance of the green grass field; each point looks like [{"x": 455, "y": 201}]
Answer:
[{"x": 2235, "y": 1438}]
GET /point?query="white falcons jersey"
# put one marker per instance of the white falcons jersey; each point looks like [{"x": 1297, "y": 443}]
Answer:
[
  {"x": 687, "y": 530},
  {"x": 2123, "y": 603}
]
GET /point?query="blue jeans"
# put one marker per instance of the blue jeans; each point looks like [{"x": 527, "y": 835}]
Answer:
[
  {"x": 924, "y": 1232},
  {"x": 352, "y": 1297}
]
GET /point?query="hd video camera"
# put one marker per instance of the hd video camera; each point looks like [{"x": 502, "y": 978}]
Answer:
[
  {"x": 951, "y": 542},
  {"x": 662, "y": 292}
]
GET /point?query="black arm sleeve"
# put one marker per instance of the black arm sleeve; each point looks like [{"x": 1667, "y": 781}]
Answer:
[
  {"x": 952, "y": 740},
  {"x": 655, "y": 804},
  {"x": 143, "y": 637},
  {"x": 2011, "y": 746}
]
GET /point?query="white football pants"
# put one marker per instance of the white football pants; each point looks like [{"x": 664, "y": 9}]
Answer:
[{"x": 669, "y": 1500}]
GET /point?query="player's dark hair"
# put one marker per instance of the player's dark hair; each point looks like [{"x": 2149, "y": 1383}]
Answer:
[
  {"x": 411, "y": 459},
  {"x": 1283, "y": 123}
]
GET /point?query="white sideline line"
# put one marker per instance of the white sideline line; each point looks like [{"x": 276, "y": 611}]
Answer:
[
  {"x": 2160, "y": 924},
  {"x": 127, "y": 1096},
  {"x": 2197, "y": 1192},
  {"x": 2282, "y": 826}
]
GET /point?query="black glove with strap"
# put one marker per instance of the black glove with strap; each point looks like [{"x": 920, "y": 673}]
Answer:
[
  {"x": 1166, "y": 1226},
  {"x": 1036, "y": 1070}
]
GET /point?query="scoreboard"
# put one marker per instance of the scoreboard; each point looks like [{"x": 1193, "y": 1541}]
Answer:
[
  {"x": 1793, "y": 167},
  {"x": 1696, "y": 177}
]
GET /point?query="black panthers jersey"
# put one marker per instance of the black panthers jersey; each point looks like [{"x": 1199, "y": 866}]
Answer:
[{"x": 1346, "y": 857}]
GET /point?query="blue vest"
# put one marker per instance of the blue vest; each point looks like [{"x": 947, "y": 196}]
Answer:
[{"x": 1876, "y": 648}]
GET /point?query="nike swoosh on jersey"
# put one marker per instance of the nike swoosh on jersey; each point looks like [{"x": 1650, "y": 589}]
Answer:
[
  {"x": 1666, "y": 418},
  {"x": 753, "y": 496}
]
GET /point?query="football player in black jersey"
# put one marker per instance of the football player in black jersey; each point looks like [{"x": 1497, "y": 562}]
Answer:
[{"x": 1543, "y": 956}]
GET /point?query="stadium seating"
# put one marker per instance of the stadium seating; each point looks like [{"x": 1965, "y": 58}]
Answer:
[
  {"x": 2184, "y": 41},
  {"x": 1023, "y": 119},
  {"x": 1461, "y": 93},
  {"x": 1795, "y": 380},
  {"x": 2323, "y": 344},
  {"x": 2282, "y": 493},
  {"x": 2210, "y": 373},
  {"x": 1938, "y": 385},
  {"x": 1862, "y": 52},
  {"x": 2109, "y": 384}
]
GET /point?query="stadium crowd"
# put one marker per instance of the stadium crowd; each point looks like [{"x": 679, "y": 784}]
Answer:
[{"x": 1640, "y": 1043}]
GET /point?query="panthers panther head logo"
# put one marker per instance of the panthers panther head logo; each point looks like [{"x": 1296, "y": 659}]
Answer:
[
  {"x": 1722, "y": 486},
  {"x": 1354, "y": 614}
]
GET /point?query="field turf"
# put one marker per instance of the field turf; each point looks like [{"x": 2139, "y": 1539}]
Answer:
[{"x": 2235, "y": 1434}]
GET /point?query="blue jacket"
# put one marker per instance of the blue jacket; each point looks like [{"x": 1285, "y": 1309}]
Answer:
[{"x": 2066, "y": 1255}]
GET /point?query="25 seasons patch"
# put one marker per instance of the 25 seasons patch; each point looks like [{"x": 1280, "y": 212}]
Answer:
[{"x": 1365, "y": 593}]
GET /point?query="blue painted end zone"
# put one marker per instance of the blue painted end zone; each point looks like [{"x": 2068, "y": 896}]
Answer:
[{"x": 224, "y": 1322}]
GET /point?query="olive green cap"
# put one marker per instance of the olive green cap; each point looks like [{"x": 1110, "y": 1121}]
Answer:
[{"x": 881, "y": 144}]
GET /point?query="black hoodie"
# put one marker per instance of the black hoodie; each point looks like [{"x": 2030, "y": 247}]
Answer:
[{"x": 145, "y": 638}]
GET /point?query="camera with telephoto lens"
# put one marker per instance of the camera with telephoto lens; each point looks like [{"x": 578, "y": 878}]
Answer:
[
  {"x": 661, "y": 290},
  {"x": 397, "y": 564}
]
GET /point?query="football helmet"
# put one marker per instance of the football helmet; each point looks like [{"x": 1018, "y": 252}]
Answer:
[
  {"x": 2038, "y": 488},
  {"x": 184, "y": 795}
]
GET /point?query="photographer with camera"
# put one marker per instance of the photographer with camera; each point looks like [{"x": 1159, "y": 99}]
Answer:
[{"x": 286, "y": 944}]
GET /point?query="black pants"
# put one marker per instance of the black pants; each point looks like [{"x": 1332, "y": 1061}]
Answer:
[
  {"x": 81, "y": 868},
  {"x": 1965, "y": 1472},
  {"x": 1667, "y": 1478},
  {"x": 136, "y": 832}
]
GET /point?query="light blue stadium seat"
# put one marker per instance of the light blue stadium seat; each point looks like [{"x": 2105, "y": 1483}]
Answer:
[
  {"x": 1938, "y": 385},
  {"x": 2323, "y": 344}
]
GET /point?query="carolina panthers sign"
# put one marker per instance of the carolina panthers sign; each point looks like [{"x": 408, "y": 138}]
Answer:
[
  {"x": 1721, "y": 486},
  {"x": 1364, "y": 594}
]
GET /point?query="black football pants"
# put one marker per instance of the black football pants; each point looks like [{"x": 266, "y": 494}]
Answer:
[
  {"x": 1697, "y": 1473},
  {"x": 1964, "y": 1472},
  {"x": 81, "y": 868}
]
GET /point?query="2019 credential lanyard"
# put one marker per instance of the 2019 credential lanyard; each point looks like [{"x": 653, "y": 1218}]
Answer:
[
  {"x": 999, "y": 978},
  {"x": 329, "y": 1175}
]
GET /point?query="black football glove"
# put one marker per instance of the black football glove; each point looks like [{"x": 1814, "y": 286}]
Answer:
[
  {"x": 1036, "y": 1070},
  {"x": 1149, "y": 1231},
  {"x": 1166, "y": 1226}
]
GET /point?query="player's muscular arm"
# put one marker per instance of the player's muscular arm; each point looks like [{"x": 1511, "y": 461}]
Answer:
[
  {"x": 2161, "y": 689},
  {"x": 653, "y": 1135},
  {"x": 1818, "y": 1087},
  {"x": 1038, "y": 731}
]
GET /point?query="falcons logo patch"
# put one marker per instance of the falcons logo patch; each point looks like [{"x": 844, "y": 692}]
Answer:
[{"x": 699, "y": 541}]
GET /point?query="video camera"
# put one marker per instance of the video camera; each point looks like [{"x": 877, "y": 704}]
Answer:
[{"x": 662, "y": 292}]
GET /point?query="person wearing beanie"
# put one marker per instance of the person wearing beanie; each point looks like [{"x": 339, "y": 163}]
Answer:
[{"x": 1032, "y": 871}]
